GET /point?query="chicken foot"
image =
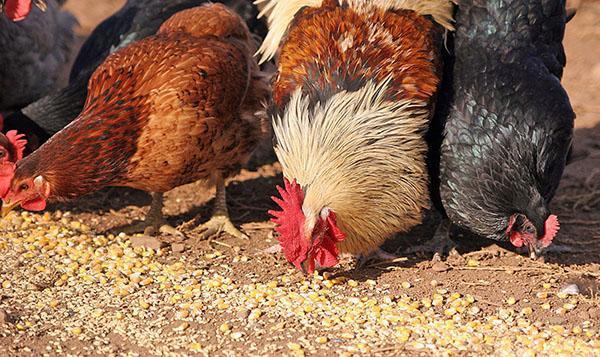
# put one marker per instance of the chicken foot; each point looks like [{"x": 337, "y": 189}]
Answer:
[
  {"x": 439, "y": 245},
  {"x": 220, "y": 222},
  {"x": 375, "y": 258},
  {"x": 155, "y": 221}
]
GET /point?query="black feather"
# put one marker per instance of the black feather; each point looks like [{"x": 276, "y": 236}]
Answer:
[{"x": 508, "y": 121}]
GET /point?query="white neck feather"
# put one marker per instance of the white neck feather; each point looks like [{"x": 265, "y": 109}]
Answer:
[{"x": 357, "y": 154}]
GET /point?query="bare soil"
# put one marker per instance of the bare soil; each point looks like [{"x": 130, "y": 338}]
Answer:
[{"x": 491, "y": 274}]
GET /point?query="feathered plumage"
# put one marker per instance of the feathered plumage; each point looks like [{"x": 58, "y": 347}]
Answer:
[
  {"x": 33, "y": 53},
  {"x": 352, "y": 102},
  {"x": 165, "y": 111},
  {"x": 509, "y": 122},
  {"x": 136, "y": 20}
]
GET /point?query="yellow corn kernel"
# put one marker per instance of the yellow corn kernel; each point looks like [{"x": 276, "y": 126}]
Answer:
[
  {"x": 294, "y": 346},
  {"x": 225, "y": 327},
  {"x": 76, "y": 331},
  {"x": 321, "y": 339}
]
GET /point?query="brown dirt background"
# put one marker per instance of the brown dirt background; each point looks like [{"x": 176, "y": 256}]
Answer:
[{"x": 500, "y": 273}]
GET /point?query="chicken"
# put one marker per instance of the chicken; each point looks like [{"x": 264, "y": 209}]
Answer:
[
  {"x": 137, "y": 19},
  {"x": 165, "y": 111},
  {"x": 509, "y": 123},
  {"x": 352, "y": 102},
  {"x": 33, "y": 54}
]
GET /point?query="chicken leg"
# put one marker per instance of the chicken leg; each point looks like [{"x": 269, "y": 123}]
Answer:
[
  {"x": 439, "y": 245},
  {"x": 155, "y": 221},
  {"x": 220, "y": 222},
  {"x": 378, "y": 256}
]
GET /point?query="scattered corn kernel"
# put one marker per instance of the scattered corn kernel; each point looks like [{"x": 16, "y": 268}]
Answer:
[
  {"x": 321, "y": 339},
  {"x": 472, "y": 263},
  {"x": 76, "y": 331},
  {"x": 195, "y": 347},
  {"x": 294, "y": 346},
  {"x": 224, "y": 327}
]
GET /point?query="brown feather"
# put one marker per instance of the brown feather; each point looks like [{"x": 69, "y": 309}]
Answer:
[
  {"x": 407, "y": 51},
  {"x": 166, "y": 111}
]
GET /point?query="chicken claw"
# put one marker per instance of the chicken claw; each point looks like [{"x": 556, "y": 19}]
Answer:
[
  {"x": 375, "y": 258},
  {"x": 439, "y": 245},
  {"x": 154, "y": 222},
  {"x": 220, "y": 221},
  {"x": 218, "y": 224}
]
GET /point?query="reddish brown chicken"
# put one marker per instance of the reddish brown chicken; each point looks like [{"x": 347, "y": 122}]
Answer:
[
  {"x": 168, "y": 110},
  {"x": 352, "y": 102}
]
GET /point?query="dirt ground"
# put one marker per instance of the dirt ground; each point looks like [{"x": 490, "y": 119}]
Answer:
[{"x": 71, "y": 284}]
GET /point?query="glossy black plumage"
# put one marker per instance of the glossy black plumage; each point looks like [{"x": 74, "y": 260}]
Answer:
[
  {"x": 508, "y": 121},
  {"x": 33, "y": 53}
]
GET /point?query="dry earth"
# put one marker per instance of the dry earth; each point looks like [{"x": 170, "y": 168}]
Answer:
[{"x": 69, "y": 285}]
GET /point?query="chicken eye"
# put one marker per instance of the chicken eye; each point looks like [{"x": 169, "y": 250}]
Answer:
[
  {"x": 529, "y": 229},
  {"x": 24, "y": 187},
  {"x": 2, "y": 154}
]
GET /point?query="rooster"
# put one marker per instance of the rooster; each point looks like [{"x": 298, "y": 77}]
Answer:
[
  {"x": 352, "y": 102},
  {"x": 165, "y": 111},
  {"x": 33, "y": 52},
  {"x": 509, "y": 123}
]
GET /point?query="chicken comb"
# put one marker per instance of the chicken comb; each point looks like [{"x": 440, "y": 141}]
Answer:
[
  {"x": 17, "y": 10},
  {"x": 7, "y": 171},
  {"x": 18, "y": 142},
  {"x": 551, "y": 226},
  {"x": 290, "y": 220}
]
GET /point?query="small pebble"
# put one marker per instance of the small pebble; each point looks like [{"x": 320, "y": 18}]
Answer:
[{"x": 571, "y": 289}]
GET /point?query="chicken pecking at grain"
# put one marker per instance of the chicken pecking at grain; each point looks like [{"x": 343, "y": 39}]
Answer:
[
  {"x": 352, "y": 102},
  {"x": 168, "y": 110},
  {"x": 509, "y": 123}
]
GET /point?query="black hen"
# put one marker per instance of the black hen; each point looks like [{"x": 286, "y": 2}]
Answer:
[
  {"x": 509, "y": 123},
  {"x": 136, "y": 20},
  {"x": 33, "y": 53}
]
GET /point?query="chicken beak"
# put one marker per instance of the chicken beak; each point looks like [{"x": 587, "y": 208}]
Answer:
[
  {"x": 304, "y": 266},
  {"x": 8, "y": 206},
  {"x": 535, "y": 251}
]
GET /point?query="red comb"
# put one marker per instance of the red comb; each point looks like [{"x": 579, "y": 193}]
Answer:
[
  {"x": 7, "y": 171},
  {"x": 17, "y": 10},
  {"x": 290, "y": 220},
  {"x": 551, "y": 226},
  {"x": 18, "y": 142}
]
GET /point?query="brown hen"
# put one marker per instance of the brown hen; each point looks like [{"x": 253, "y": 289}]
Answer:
[{"x": 168, "y": 110}]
